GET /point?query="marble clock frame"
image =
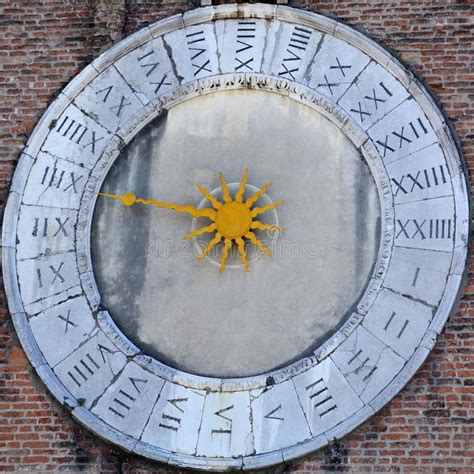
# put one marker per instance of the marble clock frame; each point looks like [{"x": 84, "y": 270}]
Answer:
[{"x": 245, "y": 423}]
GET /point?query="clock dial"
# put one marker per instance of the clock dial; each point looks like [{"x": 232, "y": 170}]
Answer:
[
  {"x": 171, "y": 358},
  {"x": 285, "y": 306}
]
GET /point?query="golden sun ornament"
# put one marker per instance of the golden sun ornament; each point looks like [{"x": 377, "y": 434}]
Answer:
[{"x": 232, "y": 220}]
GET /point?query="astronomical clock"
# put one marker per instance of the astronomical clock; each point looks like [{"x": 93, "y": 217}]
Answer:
[{"x": 235, "y": 236}]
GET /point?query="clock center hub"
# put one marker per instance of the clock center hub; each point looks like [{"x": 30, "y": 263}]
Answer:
[{"x": 233, "y": 219}]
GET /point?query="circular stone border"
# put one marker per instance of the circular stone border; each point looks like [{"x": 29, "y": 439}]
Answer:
[{"x": 445, "y": 308}]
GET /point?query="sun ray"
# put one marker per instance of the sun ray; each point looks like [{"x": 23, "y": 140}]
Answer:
[
  {"x": 217, "y": 238},
  {"x": 203, "y": 230},
  {"x": 260, "y": 210},
  {"x": 243, "y": 253},
  {"x": 253, "y": 199},
  {"x": 261, "y": 226},
  {"x": 215, "y": 203},
  {"x": 253, "y": 238},
  {"x": 225, "y": 189},
  {"x": 225, "y": 253},
  {"x": 241, "y": 191}
]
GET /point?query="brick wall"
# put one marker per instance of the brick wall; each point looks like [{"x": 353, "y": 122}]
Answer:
[{"x": 428, "y": 426}]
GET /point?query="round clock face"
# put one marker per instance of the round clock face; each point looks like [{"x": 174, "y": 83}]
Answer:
[{"x": 235, "y": 236}]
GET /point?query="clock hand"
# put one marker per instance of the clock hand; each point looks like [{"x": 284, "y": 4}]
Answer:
[
  {"x": 232, "y": 220},
  {"x": 130, "y": 199}
]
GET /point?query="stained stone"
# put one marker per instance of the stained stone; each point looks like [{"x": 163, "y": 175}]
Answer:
[
  {"x": 128, "y": 402},
  {"x": 45, "y": 231},
  {"x": 399, "y": 322},
  {"x": 70, "y": 322},
  {"x": 226, "y": 429},
  {"x": 367, "y": 363},
  {"x": 148, "y": 70},
  {"x": 327, "y": 398},
  {"x": 277, "y": 418},
  {"x": 176, "y": 419},
  {"x": 77, "y": 137},
  {"x": 420, "y": 274},
  {"x": 334, "y": 67},
  {"x": 402, "y": 131},
  {"x": 109, "y": 100},
  {"x": 54, "y": 182},
  {"x": 373, "y": 94},
  {"x": 89, "y": 370}
]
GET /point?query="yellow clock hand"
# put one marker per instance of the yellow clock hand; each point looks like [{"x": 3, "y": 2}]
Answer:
[{"x": 130, "y": 199}]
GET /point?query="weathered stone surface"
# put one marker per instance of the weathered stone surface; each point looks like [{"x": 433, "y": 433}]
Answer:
[
  {"x": 89, "y": 370},
  {"x": 373, "y": 94},
  {"x": 326, "y": 397},
  {"x": 70, "y": 322},
  {"x": 229, "y": 425},
  {"x": 44, "y": 231},
  {"x": 109, "y": 100},
  {"x": 226, "y": 429},
  {"x": 45, "y": 277},
  {"x": 426, "y": 224},
  {"x": 53, "y": 182},
  {"x": 334, "y": 67},
  {"x": 421, "y": 274},
  {"x": 289, "y": 50},
  {"x": 193, "y": 52},
  {"x": 77, "y": 137},
  {"x": 399, "y": 322},
  {"x": 127, "y": 403},
  {"x": 240, "y": 44},
  {"x": 367, "y": 363},
  {"x": 421, "y": 175},
  {"x": 402, "y": 132},
  {"x": 148, "y": 70},
  {"x": 277, "y": 418},
  {"x": 176, "y": 419}
]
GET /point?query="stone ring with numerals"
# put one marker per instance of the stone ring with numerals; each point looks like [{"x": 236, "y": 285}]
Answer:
[{"x": 174, "y": 361}]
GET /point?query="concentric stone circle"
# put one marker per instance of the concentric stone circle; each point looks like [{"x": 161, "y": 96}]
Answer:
[{"x": 215, "y": 424}]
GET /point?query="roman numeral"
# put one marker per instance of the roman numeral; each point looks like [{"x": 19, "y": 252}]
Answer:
[
  {"x": 361, "y": 112},
  {"x": 161, "y": 83},
  {"x": 196, "y": 51},
  {"x": 328, "y": 84},
  {"x": 245, "y": 37},
  {"x": 56, "y": 275},
  {"x": 340, "y": 67},
  {"x": 375, "y": 99},
  {"x": 76, "y": 132},
  {"x": 426, "y": 178},
  {"x": 406, "y": 134},
  {"x": 42, "y": 229},
  {"x": 55, "y": 178},
  {"x": 321, "y": 398},
  {"x": 359, "y": 366},
  {"x": 228, "y": 429},
  {"x": 67, "y": 320},
  {"x": 123, "y": 401},
  {"x": 173, "y": 422},
  {"x": 426, "y": 229},
  {"x": 120, "y": 106},
  {"x": 389, "y": 322},
  {"x": 151, "y": 65},
  {"x": 272, "y": 415},
  {"x": 299, "y": 41},
  {"x": 83, "y": 370}
]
